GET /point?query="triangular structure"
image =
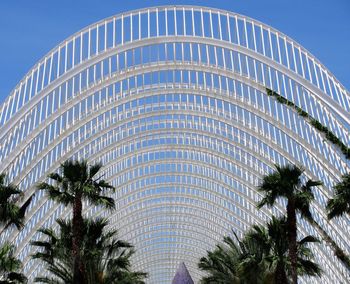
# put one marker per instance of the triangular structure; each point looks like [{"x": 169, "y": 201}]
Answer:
[{"x": 182, "y": 275}]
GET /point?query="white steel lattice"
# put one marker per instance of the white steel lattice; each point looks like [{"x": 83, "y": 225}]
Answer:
[{"x": 172, "y": 100}]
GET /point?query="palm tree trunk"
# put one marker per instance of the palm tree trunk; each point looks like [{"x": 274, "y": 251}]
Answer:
[
  {"x": 79, "y": 271},
  {"x": 280, "y": 276},
  {"x": 339, "y": 253},
  {"x": 292, "y": 238}
]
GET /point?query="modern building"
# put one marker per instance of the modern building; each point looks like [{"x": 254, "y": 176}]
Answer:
[{"x": 175, "y": 102}]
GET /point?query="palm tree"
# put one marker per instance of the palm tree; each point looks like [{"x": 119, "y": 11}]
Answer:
[
  {"x": 9, "y": 265},
  {"x": 286, "y": 182},
  {"x": 340, "y": 204},
  {"x": 75, "y": 182},
  {"x": 273, "y": 240},
  {"x": 10, "y": 214},
  {"x": 261, "y": 257},
  {"x": 105, "y": 259},
  {"x": 221, "y": 264}
]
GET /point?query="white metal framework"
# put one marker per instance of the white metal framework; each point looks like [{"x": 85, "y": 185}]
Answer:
[{"x": 172, "y": 100}]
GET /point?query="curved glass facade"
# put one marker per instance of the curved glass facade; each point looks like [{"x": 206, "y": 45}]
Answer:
[{"x": 173, "y": 101}]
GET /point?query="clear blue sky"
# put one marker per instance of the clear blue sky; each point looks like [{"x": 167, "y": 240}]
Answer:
[{"x": 29, "y": 29}]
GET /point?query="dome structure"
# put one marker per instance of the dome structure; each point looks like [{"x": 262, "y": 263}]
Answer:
[{"x": 176, "y": 102}]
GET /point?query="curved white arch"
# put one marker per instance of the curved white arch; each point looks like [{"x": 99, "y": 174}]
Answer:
[{"x": 77, "y": 102}]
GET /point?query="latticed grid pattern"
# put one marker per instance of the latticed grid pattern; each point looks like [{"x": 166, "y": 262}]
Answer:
[{"x": 172, "y": 100}]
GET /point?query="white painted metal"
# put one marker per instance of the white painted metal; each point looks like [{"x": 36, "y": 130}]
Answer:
[{"x": 173, "y": 101}]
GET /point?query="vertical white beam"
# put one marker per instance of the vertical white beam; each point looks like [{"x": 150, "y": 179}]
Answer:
[
  {"x": 286, "y": 50},
  {"x": 246, "y": 32},
  {"x": 139, "y": 25},
  {"x": 202, "y": 22},
  {"x": 114, "y": 31},
  {"x": 211, "y": 24},
  {"x": 184, "y": 21},
  {"x": 237, "y": 30},
  {"x": 89, "y": 43},
  {"x": 220, "y": 30},
  {"x": 131, "y": 28},
  {"x": 166, "y": 21},
  {"x": 148, "y": 24},
  {"x": 122, "y": 19},
  {"x": 65, "y": 58},
  {"x": 105, "y": 43},
  {"x": 228, "y": 27},
  {"x": 193, "y": 24},
  {"x": 175, "y": 21},
  {"x": 278, "y": 48},
  {"x": 254, "y": 38}
]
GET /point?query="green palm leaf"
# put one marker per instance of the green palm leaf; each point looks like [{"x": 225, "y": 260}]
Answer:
[{"x": 105, "y": 258}]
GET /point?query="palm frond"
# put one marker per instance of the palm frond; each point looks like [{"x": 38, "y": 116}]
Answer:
[
  {"x": 340, "y": 203},
  {"x": 102, "y": 253}
]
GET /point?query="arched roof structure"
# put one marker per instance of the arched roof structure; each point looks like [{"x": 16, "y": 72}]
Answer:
[{"x": 173, "y": 101}]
